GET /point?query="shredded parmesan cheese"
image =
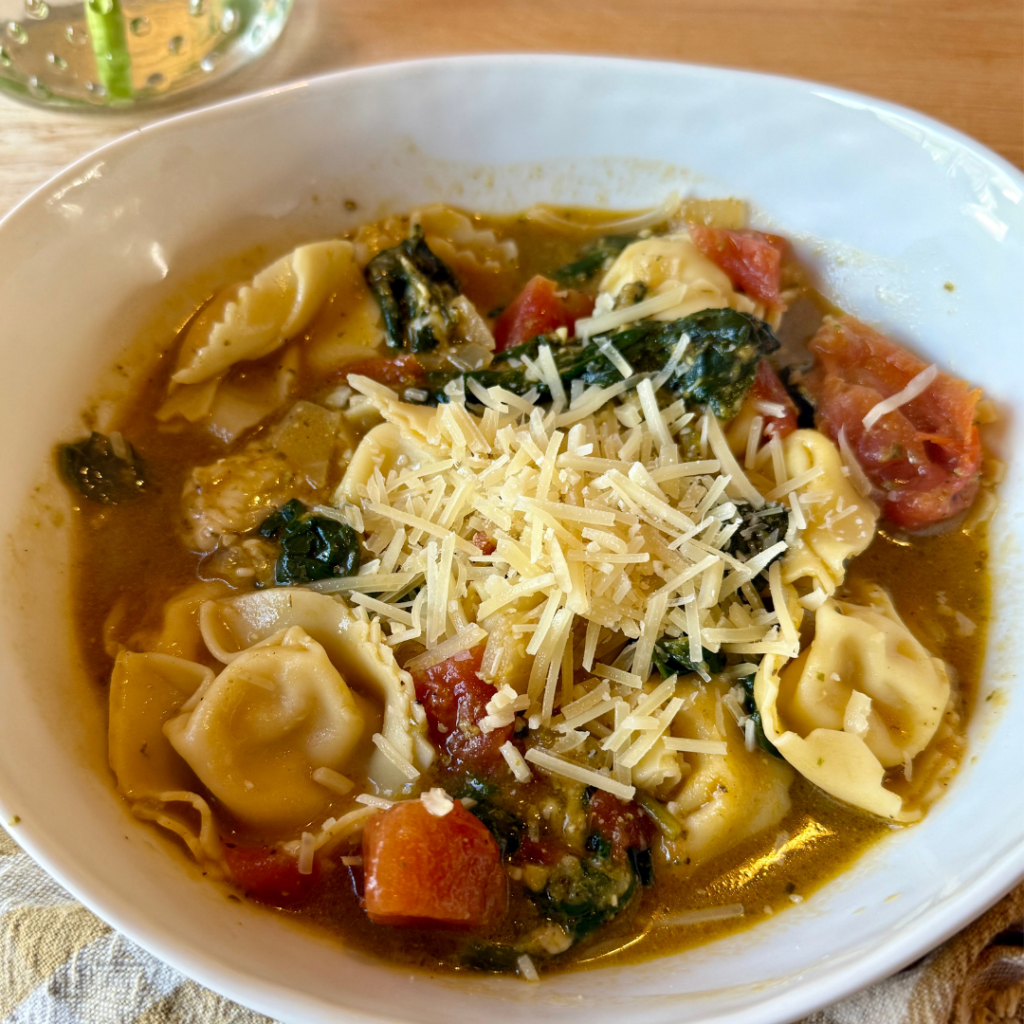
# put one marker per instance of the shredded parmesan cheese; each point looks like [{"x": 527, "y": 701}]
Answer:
[
  {"x": 334, "y": 781},
  {"x": 520, "y": 769},
  {"x": 691, "y": 917},
  {"x": 307, "y": 847},
  {"x": 409, "y": 770},
  {"x": 437, "y": 802},
  {"x": 571, "y": 770},
  {"x": 915, "y": 386}
]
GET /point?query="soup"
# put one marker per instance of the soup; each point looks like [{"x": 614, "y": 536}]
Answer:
[{"x": 497, "y": 593}]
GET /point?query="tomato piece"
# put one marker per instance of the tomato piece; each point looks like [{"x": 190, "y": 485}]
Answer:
[
  {"x": 540, "y": 309},
  {"x": 767, "y": 387},
  {"x": 394, "y": 371},
  {"x": 623, "y": 824},
  {"x": 421, "y": 870},
  {"x": 540, "y": 851},
  {"x": 455, "y": 699},
  {"x": 925, "y": 457},
  {"x": 269, "y": 876},
  {"x": 752, "y": 260}
]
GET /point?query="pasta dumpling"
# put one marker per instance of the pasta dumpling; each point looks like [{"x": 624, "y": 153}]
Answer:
[
  {"x": 384, "y": 448},
  {"x": 146, "y": 691},
  {"x": 178, "y": 633},
  {"x": 840, "y": 522},
  {"x": 724, "y": 799},
  {"x": 863, "y": 697},
  {"x": 353, "y": 645},
  {"x": 250, "y": 320},
  {"x": 453, "y": 237},
  {"x": 255, "y": 733},
  {"x": 673, "y": 263}
]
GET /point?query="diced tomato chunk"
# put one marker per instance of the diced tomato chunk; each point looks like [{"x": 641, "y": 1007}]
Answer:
[
  {"x": 455, "y": 699},
  {"x": 623, "y": 824},
  {"x": 394, "y": 371},
  {"x": 925, "y": 456},
  {"x": 767, "y": 388},
  {"x": 539, "y": 309},
  {"x": 540, "y": 851},
  {"x": 421, "y": 870},
  {"x": 752, "y": 260},
  {"x": 269, "y": 876}
]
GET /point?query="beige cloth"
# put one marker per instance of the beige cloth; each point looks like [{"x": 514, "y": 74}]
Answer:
[{"x": 59, "y": 964}]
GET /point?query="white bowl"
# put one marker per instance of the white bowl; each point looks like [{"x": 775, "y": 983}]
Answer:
[{"x": 884, "y": 205}]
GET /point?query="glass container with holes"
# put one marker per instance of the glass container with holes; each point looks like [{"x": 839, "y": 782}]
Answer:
[{"x": 107, "y": 54}]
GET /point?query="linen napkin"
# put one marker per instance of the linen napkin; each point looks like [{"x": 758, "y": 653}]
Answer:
[{"x": 59, "y": 964}]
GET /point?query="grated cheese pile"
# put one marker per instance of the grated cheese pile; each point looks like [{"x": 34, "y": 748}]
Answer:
[{"x": 604, "y": 525}]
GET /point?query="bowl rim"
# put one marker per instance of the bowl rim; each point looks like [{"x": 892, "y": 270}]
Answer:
[{"x": 830, "y": 982}]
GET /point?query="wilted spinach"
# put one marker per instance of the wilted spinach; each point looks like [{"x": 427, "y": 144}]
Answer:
[
  {"x": 505, "y": 826},
  {"x": 716, "y": 369},
  {"x": 595, "y": 257},
  {"x": 582, "y": 895},
  {"x": 99, "y": 471},
  {"x": 759, "y": 529},
  {"x": 415, "y": 289},
  {"x": 312, "y": 547},
  {"x": 672, "y": 655},
  {"x": 750, "y": 708}
]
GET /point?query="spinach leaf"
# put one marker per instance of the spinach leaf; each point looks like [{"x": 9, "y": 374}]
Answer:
[
  {"x": 759, "y": 529},
  {"x": 642, "y": 863},
  {"x": 414, "y": 288},
  {"x": 98, "y": 471},
  {"x": 668, "y": 824},
  {"x": 717, "y": 367},
  {"x": 493, "y": 957},
  {"x": 672, "y": 655},
  {"x": 583, "y": 895},
  {"x": 750, "y": 708},
  {"x": 594, "y": 258},
  {"x": 312, "y": 547},
  {"x": 505, "y": 826}
]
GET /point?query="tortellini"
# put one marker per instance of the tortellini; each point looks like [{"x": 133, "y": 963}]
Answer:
[
  {"x": 255, "y": 733},
  {"x": 352, "y": 643},
  {"x": 146, "y": 691},
  {"x": 384, "y": 448},
  {"x": 724, "y": 799},
  {"x": 863, "y": 697},
  {"x": 452, "y": 236},
  {"x": 840, "y": 522},
  {"x": 251, "y": 320},
  {"x": 673, "y": 262}
]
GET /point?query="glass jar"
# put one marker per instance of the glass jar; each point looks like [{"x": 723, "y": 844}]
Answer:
[{"x": 118, "y": 53}]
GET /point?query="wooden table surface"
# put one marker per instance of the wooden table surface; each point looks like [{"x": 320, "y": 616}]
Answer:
[{"x": 961, "y": 61}]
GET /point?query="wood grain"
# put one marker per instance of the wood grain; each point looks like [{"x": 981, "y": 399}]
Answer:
[{"x": 961, "y": 61}]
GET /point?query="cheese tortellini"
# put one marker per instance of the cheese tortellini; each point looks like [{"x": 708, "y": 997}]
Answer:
[
  {"x": 723, "y": 800},
  {"x": 383, "y": 449},
  {"x": 463, "y": 246},
  {"x": 840, "y": 522},
  {"x": 865, "y": 696},
  {"x": 255, "y": 733},
  {"x": 353, "y": 645},
  {"x": 251, "y": 320},
  {"x": 146, "y": 691},
  {"x": 673, "y": 263}
]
